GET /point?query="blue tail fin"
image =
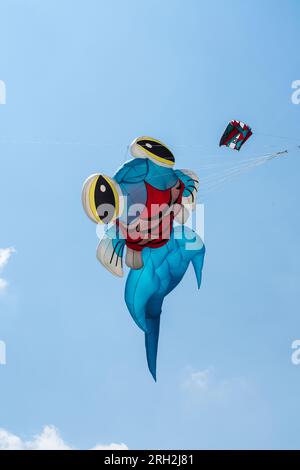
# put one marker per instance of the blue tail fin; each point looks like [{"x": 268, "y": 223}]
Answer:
[
  {"x": 151, "y": 343},
  {"x": 154, "y": 306}
]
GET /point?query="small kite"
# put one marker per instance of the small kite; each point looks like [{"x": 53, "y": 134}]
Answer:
[
  {"x": 140, "y": 204},
  {"x": 235, "y": 135}
]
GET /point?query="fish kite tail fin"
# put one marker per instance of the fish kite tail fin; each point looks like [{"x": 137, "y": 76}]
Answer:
[{"x": 151, "y": 336}]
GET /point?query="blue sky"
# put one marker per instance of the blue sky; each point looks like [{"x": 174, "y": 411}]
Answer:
[{"x": 83, "y": 78}]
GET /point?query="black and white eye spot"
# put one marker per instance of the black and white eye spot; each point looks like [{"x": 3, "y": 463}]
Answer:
[
  {"x": 105, "y": 201},
  {"x": 157, "y": 150}
]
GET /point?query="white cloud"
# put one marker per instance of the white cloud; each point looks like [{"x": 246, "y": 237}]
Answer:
[
  {"x": 5, "y": 254},
  {"x": 48, "y": 439},
  {"x": 9, "y": 441},
  {"x": 112, "y": 446}
]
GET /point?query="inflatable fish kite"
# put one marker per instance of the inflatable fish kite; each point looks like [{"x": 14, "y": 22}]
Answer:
[{"x": 139, "y": 204}]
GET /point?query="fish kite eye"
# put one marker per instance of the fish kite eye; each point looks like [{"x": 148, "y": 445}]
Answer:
[
  {"x": 101, "y": 198},
  {"x": 147, "y": 147}
]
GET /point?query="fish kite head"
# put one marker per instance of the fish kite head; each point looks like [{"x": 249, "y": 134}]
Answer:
[
  {"x": 103, "y": 196},
  {"x": 141, "y": 201}
]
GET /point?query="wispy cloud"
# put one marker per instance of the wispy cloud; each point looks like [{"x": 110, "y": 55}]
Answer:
[
  {"x": 230, "y": 410},
  {"x": 48, "y": 439},
  {"x": 5, "y": 254},
  {"x": 207, "y": 387},
  {"x": 198, "y": 380},
  {"x": 3, "y": 284}
]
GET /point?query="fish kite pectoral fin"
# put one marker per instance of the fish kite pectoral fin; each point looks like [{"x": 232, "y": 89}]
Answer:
[
  {"x": 191, "y": 186},
  {"x": 192, "y": 249},
  {"x": 197, "y": 261},
  {"x": 110, "y": 253}
]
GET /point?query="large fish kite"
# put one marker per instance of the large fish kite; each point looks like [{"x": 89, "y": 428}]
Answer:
[{"x": 139, "y": 205}]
